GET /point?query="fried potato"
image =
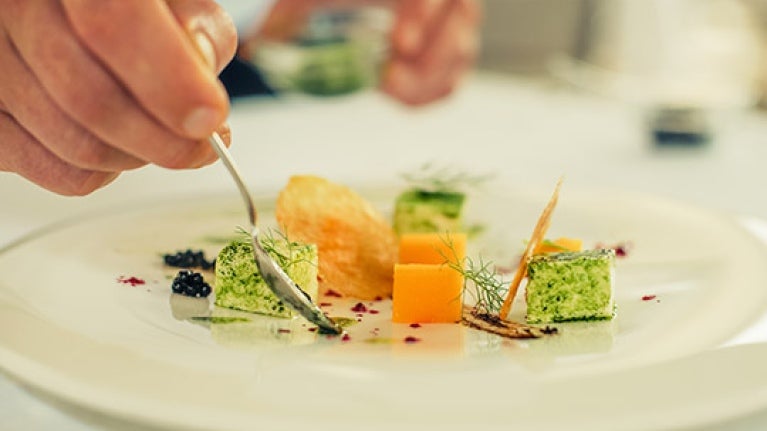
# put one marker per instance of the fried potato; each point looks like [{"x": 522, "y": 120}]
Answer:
[{"x": 357, "y": 246}]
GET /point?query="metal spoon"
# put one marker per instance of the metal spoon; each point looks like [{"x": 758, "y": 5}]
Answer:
[{"x": 278, "y": 281}]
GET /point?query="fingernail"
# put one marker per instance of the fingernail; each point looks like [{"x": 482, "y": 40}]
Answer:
[
  {"x": 201, "y": 122},
  {"x": 205, "y": 48},
  {"x": 226, "y": 134}
]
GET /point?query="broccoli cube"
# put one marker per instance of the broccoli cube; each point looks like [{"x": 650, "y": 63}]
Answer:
[
  {"x": 238, "y": 284},
  {"x": 570, "y": 286},
  {"x": 423, "y": 211}
]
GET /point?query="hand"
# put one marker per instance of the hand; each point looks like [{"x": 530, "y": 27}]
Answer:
[
  {"x": 91, "y": 88},
  {"x": 433, "y": 42}
]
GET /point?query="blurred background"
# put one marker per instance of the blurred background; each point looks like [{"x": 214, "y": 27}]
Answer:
[{"x": 679, "y": 52}]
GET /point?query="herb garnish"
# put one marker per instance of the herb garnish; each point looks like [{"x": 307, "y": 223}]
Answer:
[
  {"x": 481, "y": 281},
  {"x": 281, "y": 248},
  {"x": 435, "y": 179}
]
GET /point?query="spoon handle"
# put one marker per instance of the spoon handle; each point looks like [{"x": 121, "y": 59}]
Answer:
[{"x": 223, "y": 153}]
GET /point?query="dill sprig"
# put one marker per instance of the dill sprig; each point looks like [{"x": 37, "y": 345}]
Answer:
[
  {"x": 483, "y": 284},
  {"x": 432, "y": 178},
  {"x": 285, "y": 251},
  {"x": 481, "y": 281}
]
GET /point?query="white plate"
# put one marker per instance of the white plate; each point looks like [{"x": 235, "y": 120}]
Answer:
[{"x": 71, "y": 329}]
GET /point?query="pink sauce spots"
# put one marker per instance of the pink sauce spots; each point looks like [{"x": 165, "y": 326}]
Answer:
[
  {"x": 133, "y": 281},
  {"x": 649, "y": 297},
  {"x": 621, "y": 249},
  {"x": 410, "y": 339},
  {"x": 346, "y": 337},
  {"x": 359, "y": 308},
  {"x": 415, "y": 325},
  {"x": 373, "y": 311}
]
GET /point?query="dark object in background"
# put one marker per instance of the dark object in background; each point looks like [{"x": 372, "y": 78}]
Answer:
[
  {"x": 679, "y": 127},
  {"x": 241, "y": 78}
]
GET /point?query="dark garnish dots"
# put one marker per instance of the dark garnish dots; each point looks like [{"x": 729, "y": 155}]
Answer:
[
  {"x": 189, "y": 259},
  {"x": 189, "y": 283}
]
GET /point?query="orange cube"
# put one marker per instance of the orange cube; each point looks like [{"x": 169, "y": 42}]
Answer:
[
  {"x": 433, "y": 248},
  {"x": 426, "y": 293},
  {"x": 559, "y": 245}
]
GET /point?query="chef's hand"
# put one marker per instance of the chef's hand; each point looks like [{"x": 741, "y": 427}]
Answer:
[
  {"x": 433, "y": 42},
  {"x": 91, "y": 88}
]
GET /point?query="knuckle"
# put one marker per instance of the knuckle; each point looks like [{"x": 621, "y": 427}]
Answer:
[
  {"x": 86, "y": 182},
  {"x": 86, "y": 151}
]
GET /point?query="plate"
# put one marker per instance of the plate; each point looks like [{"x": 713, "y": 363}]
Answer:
[{"x": 77, "y": 328}]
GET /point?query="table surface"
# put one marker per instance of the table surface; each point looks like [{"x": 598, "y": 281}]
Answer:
[{"x": 521, "y": 132}]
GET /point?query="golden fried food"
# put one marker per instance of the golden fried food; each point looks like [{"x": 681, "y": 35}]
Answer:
[{"x": 356, "y": 244}]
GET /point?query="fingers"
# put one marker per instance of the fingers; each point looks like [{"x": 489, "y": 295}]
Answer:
[
  {"x": 212, "y": 30},
  {"x": 23, "y": 154},
  {"x": 35, "y": 111},
  {"x": 434, "y": 43},
  {"x": 59, "y": 91},
  {"x": 141, "y": 44}
]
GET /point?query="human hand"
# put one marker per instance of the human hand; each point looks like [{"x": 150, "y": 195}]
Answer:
[
  {"x": 91, "y": 88},
  {"x": 433, "y": 45},
  {"x": 433, "y": 42}
]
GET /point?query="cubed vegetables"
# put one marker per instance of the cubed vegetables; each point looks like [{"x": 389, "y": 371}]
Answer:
[
  {"x": 424, "y": 211},
  {"x": 426, "y": 293},
  {"x": 239, "y": 286},
  {"x": 434, "y": 248},
  {"x": 570, "y": 286}
]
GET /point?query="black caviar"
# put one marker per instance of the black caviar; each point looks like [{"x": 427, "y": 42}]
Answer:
[
  {"x": 189, "y": 283},
  {"x": 189, "y": 259}
]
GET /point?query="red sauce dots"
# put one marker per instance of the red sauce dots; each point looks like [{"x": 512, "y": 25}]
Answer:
[
  {"x": 621, "y": 249},
  {"x": 373, "y": 311},
  {"x": 332, "y": 294},
  {"x": 415, "y": 325},
  {"x": 326, "y": 304},
  {"x": 313, "y": 329},
  {"x": 359, "y": 308},
  {"x": 346, "y": 337},
  {"x": 649, "y": 298},
  {"x": 410, "y": 339},
  {"x": 283, "y": 331},
  {"x": 133, "y": 281}
]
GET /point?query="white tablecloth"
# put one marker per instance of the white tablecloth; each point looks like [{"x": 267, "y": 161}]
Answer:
[{"x": 521, "y": 132}]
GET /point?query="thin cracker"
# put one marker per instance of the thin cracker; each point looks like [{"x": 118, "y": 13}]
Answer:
[
  {"x": 356, "y": 245},
  {"x": 538, "y": 234}
]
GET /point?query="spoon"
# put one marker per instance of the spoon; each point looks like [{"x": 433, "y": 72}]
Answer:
[{"x": 285, "y": 289}]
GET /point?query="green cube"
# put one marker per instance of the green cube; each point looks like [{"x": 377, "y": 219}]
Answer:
[
  {"x": 570, "y": 286},
  {"x": 422, "y": 211},
  {"x": 238, "y": 284}
]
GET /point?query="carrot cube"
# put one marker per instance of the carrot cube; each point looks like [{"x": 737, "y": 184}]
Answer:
[
  {"x": 559, "y": 245},
  {"x": 426, "y": 293},
  {"x": 432, "y": 248}
]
